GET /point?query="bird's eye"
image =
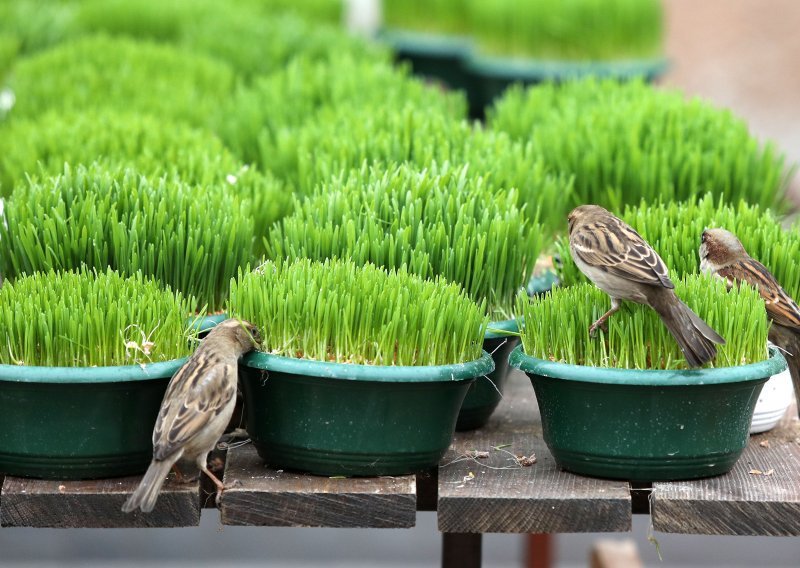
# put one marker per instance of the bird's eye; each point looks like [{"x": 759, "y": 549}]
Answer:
[{"x": 703, "y": 237}]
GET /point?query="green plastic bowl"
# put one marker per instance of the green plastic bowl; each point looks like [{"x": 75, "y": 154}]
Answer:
[
  {"x": 353, "y": 420},
  {"x": 436, "y": 56},
  {"x": 79, "y": 423},
  {"x": 646, "y": 425},
  {"x": 488, "y": 76},
  {"x": 486, "y": 392}
]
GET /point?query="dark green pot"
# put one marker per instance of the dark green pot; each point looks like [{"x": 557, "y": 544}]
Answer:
[
  {"x": 435, "y": 56},
  {"x": 646, "y": 425},
  {"x": 489, "y": 77},
  {"x": 541, "y": 284},
  {"x": 341, "y": 419},
  {"x": 79, "y": 423},
  {"x": 486, "y": 392}
]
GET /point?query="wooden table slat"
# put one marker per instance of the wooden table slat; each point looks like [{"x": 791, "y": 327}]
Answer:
[
  {"x": 495, "y": 494},
  {"x": 261, "y": 496},
  {"x": 740, "y": 502},
  {"x": 94, "y": 504}
]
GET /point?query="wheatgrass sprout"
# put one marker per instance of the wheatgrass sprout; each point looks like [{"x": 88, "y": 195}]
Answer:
[
  {"x": 329, "y": 11},
  {"x": 35, "y": 24},
  {"x": 625, "y": 142},
  {"x": 153, "y": 147},
  {"x": 87, "y": 319},
  {"x": 310, "y": 90},
  {"x": 674, "y": 231},
  {"x": 433, "y": 222},
  {"x": 342, "y": 140},
  {"x": 448, "y": 17},
  {"x": 556, "y": 326},
  {"x": 583, "y": 30},
  {"x": 121, "y": 74},
  {"x": 192, "y": 239},
  {"x": 339, "y": 311}
]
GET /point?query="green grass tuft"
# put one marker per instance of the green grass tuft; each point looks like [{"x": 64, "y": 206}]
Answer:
[
  {"x": 556, "y": 327},
  {"x": 587, "y": 30},
  {"x": 260, "y": 122},
  {"x": 338, "y": 311},
  {"x": 439, "y": 222},
  {"x": 190, "y": 238},
  {"x": 87, "y": 319},
  {"x": 625, "y": 142},
  {"x": 674, "y": 231},
  {"x": 124, "y": 75},
  {"x": 431, "y": 16}
]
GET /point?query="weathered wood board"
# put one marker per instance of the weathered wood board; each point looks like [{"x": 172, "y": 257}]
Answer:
[
  {"x": 494, "y": 493},
  {"x": 261, "y": 496},
  {"x": 94, "y": 504}
]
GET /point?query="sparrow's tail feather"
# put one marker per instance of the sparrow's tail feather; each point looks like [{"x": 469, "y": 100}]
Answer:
[
  {"x": 788, "y": 339},
  {"x": 694, "y": 336},
  {"x": 147, "y": 492}
]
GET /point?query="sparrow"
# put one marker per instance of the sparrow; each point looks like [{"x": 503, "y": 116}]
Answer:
[
  {"x": 623, "y": 265},
  {"x": 196, "y": 408},
  {"x": 724, "y": 256}
]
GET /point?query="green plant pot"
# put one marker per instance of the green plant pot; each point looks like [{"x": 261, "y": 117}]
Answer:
[
  {"x": 79, "y": 423},
  {"x": 541, "y": 284},
  {"x": 489, "y": 77},
  {"x": 353, "y": 420},
  {"x": 205, "y": 324},
  {"x": 437, "y": 57},
  {"x": 486, "y": 392},
  {"x": 646, "y": 425}
]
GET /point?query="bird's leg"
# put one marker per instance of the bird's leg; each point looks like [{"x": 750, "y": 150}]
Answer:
[
  {"x": 220, "y": 486},
  {"x": 601, "y": 323}
]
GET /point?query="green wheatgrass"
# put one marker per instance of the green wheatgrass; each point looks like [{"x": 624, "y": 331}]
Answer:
[
  {"x": 192, "y": 239},
  {"x": 87, "y": 319},
  {"x": 556, "y": 327},
  {"x": 343, "y": 139},
  {"x": 437, "y": 222},
  {"x": 261, "y": 119},
  {"x": 583, "y": 30},
  {"x": 338, "y": 311},
  {"x": 154, "y": 147},
  {"x": 674, "y": 231},
  {"x": 627, "y": 142},
  {"x": 121, "y": 74},
  {"x": 429, "y": 16}
]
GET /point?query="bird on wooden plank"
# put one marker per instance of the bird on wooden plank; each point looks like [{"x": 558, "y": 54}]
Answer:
[
  {"x": 624, "y": 266},
  {"x": 196, "y": 408},
  {"x": 723, "y": 255}
]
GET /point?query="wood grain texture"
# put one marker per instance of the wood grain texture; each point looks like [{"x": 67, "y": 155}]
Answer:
[
  {"x": 495, "y": 494},
  {"x": 260, "y": 496},
  {"x": 740, "y": 502},
  {"x": 94, "y": 504}
]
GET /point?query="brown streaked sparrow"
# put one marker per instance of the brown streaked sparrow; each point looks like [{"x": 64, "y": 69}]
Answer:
[
  {"x": 621, "y": 263},
  {"x": 196, "y": 408},
  {"x": 722, "y": 254}
]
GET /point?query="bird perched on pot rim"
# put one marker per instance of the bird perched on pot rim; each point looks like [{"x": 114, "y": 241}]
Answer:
[
  {"x": 196, "y": 408},
  {"x": 621, "y": 263},
  {"x": 722, "y": 254}
]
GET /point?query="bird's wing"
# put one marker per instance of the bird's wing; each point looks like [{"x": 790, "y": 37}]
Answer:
[
  {"x": 614, "y": 247},
  {"x": 780, "y": 306},
  {"x": 200, "y": 390}
]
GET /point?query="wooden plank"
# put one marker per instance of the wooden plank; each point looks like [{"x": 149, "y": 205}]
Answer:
[
  {"x": 260, "y": 496},
  {"x": 742, "y": 502},
  {"x": 496, "y": 494},
  {"x": 462, "y": 550},
  {"x": 94, "y": 504}
]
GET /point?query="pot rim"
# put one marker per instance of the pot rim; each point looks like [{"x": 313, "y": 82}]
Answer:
[
  {"x": 638, "y": 377},
  {"x": 538, "y": 69},
  {"x": 510, "y": 325},
  {"x": 90, "y": 375},
  {"x": 378, "y": 373}
]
